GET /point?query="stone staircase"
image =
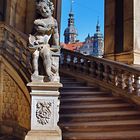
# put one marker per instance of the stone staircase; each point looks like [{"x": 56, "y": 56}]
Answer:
[
  {"x": 7, "y": 137},
  {"x": 87, "y": 113}
]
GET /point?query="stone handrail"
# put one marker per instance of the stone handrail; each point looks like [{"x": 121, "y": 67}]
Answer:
[
  {"x": 13, "y": 47},
  {"x": 106, "y": 73}
]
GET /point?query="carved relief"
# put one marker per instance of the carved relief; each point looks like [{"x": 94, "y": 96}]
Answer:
[{"x": 43, "y": 112}]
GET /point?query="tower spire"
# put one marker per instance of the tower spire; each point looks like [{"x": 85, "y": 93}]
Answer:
[
  {"x": 71, "y": 8},
  {"x": 70, "y": 32},
  {"x": 98, "y": 25}
]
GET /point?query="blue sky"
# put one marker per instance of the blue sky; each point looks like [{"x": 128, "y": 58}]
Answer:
[{"x": 86, "y": 13}]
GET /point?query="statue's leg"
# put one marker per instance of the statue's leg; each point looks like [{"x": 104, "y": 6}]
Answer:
[
  {"x": 54, "y": 68},
  {"x": 35, "y": 62},
  {"x": 46, "y": 53}
]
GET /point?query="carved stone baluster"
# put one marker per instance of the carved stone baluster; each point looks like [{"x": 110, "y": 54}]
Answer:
[
  {"x": 64, "y": 59},
  {"x": 68, "y": 61},
  {"x": 82, "y": 65},
  {"x": 75, "y": 63},
  {"x": 91, "y": 68},
  {"x": 136, "y": 85},
  {"x": 130, "y": 81},
  {"x": 86, "y": 68},
  {"x": 106, "y": 73},
  {"x": 95, "y": 68},
  {"x": 113, "y": 76},
  {"x": 78, "y": 64},
  {"x": 72, "y": 62},
  {"x": 100, "y": 71},
  {"x": 119, "y": 78},
  {"x": 123, "y": 78}
]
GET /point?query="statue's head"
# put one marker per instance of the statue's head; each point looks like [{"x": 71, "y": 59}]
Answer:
[{"x": 45, "y": 8}]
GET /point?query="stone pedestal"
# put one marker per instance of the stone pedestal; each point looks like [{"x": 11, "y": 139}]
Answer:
[{"x": 44, "y": 111}]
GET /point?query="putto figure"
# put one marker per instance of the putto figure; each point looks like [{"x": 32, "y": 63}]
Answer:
[{"x": 45, "y": 28}]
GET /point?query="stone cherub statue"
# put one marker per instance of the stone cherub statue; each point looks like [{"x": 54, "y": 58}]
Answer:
[{"x": 45, "y": 28}]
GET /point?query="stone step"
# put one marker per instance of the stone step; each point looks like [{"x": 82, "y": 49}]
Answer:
[
  {"x": 79, "y": 88},
  {"x": 103, "y": 126},
  {"x": 119, "y": 135},
  {"x": 84, "y": 94},
  {"x": 7, "y": 137},
  {"x": 101, "y": 116},
  {"x": 94, "y": 108},
  {"x": 87, "y": 101},
  {"x": 86, "y": 113},
  {"x": 67, "y": 79},
  {"x": 73, "y": 83}
]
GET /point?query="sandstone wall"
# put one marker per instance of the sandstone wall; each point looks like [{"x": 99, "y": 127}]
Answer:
[
  {"x": 14, "y": 104},
  {"x": 22, "y": 13}
]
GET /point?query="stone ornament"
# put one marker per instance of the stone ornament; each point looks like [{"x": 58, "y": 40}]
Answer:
[
  {"x": 45, "y": 29},
  {"x": 43, "y": 112}
]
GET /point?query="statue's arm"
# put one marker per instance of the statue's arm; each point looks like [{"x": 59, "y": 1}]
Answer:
[{"x": 56, "y": 34}]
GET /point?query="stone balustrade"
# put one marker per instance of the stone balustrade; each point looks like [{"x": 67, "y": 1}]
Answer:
[
  {"x": 109, "y": 74},
  {"x": 14, "y": 48}
]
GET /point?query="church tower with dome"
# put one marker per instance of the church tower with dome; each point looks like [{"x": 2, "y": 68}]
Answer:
[{"x": 70, "y": 33}]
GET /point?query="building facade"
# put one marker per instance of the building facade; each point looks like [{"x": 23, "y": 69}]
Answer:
[
  {"x": 94, "y": 45},
  {"x": 87, "y": 48}
]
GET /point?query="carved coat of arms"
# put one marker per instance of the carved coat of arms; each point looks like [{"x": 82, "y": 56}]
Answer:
[{"x": 43, "y": 112}]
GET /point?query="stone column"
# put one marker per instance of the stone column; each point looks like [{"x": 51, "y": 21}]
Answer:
[
  {"x": 136, "y": 32},
  {"x": 109, "y": 38},
  {"x": 45, "y": 111},
  {"x": 122, "y": 31}
]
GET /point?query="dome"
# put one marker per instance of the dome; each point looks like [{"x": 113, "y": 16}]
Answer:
[{"x": 70, "y": 30}]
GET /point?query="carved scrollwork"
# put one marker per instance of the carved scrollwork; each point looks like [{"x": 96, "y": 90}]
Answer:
[{"x": 43, "y": 112}]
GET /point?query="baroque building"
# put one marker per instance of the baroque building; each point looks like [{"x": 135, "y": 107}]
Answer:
[
  {"x": 93, "y": 45},
  {"x": 87, "y": 48}
]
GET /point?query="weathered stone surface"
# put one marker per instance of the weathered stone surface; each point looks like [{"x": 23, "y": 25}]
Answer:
[
  {"x": 109, "y": 40},
  {"x": 21, "y": 14},
  {"x": 128, "y": 35},
  {"x": 45, "y": 28},
  {"x": 109, "y": 8},
  {"x": 15, "y": 106},
  {"x": 130, "y": 27},
  {"x": 43, "y": 135},
  {"x": 45, "y": 111}
]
